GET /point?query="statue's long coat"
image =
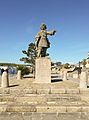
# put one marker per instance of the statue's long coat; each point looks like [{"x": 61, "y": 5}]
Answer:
[{"x": 42, "y": 40}]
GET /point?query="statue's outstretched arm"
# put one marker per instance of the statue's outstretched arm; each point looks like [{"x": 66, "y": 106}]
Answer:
[{"x": 51, "y": 32}]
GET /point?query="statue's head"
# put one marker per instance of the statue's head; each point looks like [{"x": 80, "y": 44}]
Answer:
[{"x": 43, "y": 27}]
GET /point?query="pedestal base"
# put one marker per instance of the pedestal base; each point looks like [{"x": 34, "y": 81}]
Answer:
[{"x": 43, "y": 70}]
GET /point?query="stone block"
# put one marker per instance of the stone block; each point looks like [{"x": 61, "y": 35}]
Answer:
[
  {"x": 72, "y": 91},
  {"x": 49, "y": 116},
  {"x": 84, "y": 115},
  {"x": 51, "y": 109},
  {"x": 57, "y": 91},
  {"x": 16, "y": 91},
  {"x": 73, "y": 109},
  {"x": 85, "y": 108},
  {"x": 69, "y": 116},
  {"x": 37, "y": 116},
  {"x": 22, "y": 91},
  {"x": 15, "y": 116},
  {"x": 3, "y": 108},
  {"x": 27, "y": 116},
  {"x": 6, "y": 99},
  {"x": 43, "y": 70},
  {"x": 31, "y": 99},
  {"x": 20, "y": 108},
  {"x": 4, "y": 91},
  {"x": 84, "y": 91},
  {"x": 29, "y": 91},
  {"x": 43, "y": 91}
]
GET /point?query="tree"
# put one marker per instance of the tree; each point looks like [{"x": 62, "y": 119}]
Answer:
[
  {"x": 66, "y": 65},
  {"x": 30, "y": 55},
  {"x": 84, "y": 62},
  {"x": 24, "y": 70},
  {"x": 9, "y": 64}
]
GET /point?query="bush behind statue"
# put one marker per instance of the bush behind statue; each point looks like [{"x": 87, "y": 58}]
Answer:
[{"x": 24, "y": 70}]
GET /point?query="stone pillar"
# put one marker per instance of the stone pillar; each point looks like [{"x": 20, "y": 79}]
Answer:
[
  {"x": 43, "y": 70},
  {"x": 19, "y": 75},
  {"x": 76, "y": 74},
  {"x": 65, "y": 75},
  {"x": 68, "y": 74},
  {"x": 83, "y": 79},
  {"x": 88, "y": 80},
  {"x": 5, "y": 80}
]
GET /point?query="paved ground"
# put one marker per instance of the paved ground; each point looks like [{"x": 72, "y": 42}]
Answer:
[{"x": 29, "y": 83}]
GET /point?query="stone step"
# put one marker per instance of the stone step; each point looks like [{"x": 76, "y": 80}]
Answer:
[
  {"x": 40, "y": 98},
  {"x": 43, "y": 91},
  {"x": 17, "y": 108},
  {"x": 44, "y": 108},
  {"x": 51, "y": 99},
  {"x": 62, "y": 109},
  {"x": 44, "y": 116}
]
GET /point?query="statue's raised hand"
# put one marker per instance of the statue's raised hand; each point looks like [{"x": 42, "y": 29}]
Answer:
[{"x": 54, "y": 31}]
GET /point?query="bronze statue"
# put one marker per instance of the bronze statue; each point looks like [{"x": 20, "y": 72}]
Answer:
[{"x": 42, "y": 42}]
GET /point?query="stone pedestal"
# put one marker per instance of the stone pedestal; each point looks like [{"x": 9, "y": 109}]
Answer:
[
  {"x": 65, "y": 75},
  {"x": 43, "y": 70},
  {"x": 5, "y": 80},
  {"x": 19, "y": 75},
  {"x": 83, "y": 79}
]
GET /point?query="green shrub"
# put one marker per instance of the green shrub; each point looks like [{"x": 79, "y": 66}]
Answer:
[{"x": 24, "y": 70}]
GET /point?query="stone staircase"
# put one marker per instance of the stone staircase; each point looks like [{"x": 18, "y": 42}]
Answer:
[{"x": 44, "y": 104}]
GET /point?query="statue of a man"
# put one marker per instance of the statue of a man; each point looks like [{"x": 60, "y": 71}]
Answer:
[{"x": 42, "y": 42}]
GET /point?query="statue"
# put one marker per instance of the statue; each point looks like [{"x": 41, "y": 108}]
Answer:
[{"x": 41, "y": 41}]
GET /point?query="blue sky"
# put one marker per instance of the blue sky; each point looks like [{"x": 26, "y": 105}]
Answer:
[{"x": 20, "y": 21}]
